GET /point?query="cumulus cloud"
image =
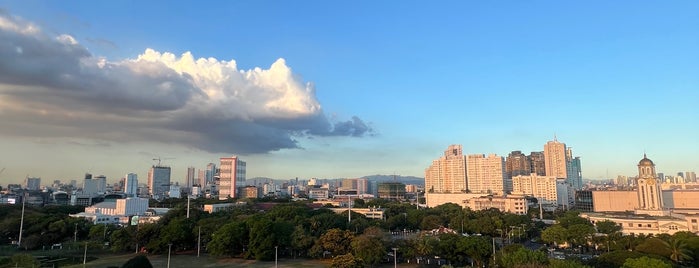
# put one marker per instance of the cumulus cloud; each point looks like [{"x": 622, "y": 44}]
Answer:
[{"x": 52, "y": 86}]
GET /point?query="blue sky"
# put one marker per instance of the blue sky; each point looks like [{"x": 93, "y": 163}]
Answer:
[{"x": 610, "y": 79}]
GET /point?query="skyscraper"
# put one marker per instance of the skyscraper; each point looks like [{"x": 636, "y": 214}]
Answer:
[
  {"x": 538, "y": 165},
  {"x": 210, "y": 173},
  {"x": 574, "y": 171},
  {"x": 190, "y": 180},
  {"x": 232, "y": 175},
  {"x": 32, "y": 184},
  {"x": 516, "y": 164},
  {"x": 485, "y": 174},
  {"x": 159, "y": 181},
  {"x": 448, "y": 173},
  {"x": 555, "y": 159},
  {"x": 131, "y": 185}
]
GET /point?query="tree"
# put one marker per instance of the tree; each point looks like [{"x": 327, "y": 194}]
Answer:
[
  {"x": 679, "y": 251},
  {"x": 346, "y": 261},
  {"x": 262, "y": 239},
  {"x": 645, "y": 262},
  {"x": 571, "y": 218},
  {"x": 607, "y": 227},
  {"x": 23, "y": 260},
  {"x": 654, "y": 246},
  {"x": 580, "y": 234},
  {"x": 555, "y": 234},
  {"x": 139, "y": 261},
  {"x": 229, "y": 239},
  {"x": 368, "y": 248},
  {"x": 478, "y": 248},
  {"x": 553, "y": 263},
  {"x": 524, "y": 258},
  {"x": 336, "y": 241}
]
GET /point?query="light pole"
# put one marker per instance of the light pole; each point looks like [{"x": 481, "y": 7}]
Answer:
[
  {"x": 85, "y": 255},
  {"x": 395, "y": 257},
  {"x": 75, "y": 234},
  {"x": 276, "y": 264},
  {"x": 199, "y": 242},
  {"x": 169, "y": 248}
]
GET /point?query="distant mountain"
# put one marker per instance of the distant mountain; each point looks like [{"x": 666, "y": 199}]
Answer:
[{"x": 398, "y": 178}]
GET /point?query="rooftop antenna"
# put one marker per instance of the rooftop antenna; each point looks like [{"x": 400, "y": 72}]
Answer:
[{"x": 554, "y": 137}]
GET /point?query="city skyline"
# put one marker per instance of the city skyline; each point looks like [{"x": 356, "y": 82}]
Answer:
[{"x": 342, "y": 90}]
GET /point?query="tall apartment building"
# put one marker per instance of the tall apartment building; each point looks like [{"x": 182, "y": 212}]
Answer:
[
  {"x": 191, "y": 179},
  {"x": 555, "y": 159},
  {"x": 690, "y": 176},
  {"x": 538, "y": 165},
  {"x": 448, "y": 173},
  {"x": 485, "y": 174},
  {"x": 516, "y": 164},
  {"x": 210, "y": 173},
  {"x": 542, "y": 188},
  {"x": 360, "y": 185},
  {"x": 159, "y": 181},
  {"x": 232, "y": 176},
  {"x": 131, "y": 185},
  {"x": 32, "y": 184}
]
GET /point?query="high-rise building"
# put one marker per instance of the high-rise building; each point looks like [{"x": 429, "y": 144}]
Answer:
[
  {"x": 555, "y": 159},
  {"x": 232, "y": 175},
  {"x": 159, "y": 181},
  {"x": 101, "y": 181},
  {"x": 574, "y": 172},
  {"x": 210, "y": 173},
  {"x": 542, "y": 188},
  {"x": 485, "y": 174},
  {"x": 190, "y": 179},
  {"x": 448, "y": 173},
  {"x": 131, "y": 185},
  {"x": 32, "y": 184},
  {"x": 538, "y": 165},
  {"x": 516, "y": 164},
  {"x": 201, "y": 178},
  {"x": 690, "y": 176}
]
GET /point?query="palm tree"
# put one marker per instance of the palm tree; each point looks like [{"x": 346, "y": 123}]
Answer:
[{"x": 679, "y": 251}]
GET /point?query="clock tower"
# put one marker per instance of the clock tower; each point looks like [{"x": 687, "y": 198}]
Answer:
[{"x": 650, "y": 195}]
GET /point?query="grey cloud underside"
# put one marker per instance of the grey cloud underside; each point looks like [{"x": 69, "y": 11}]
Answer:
[{"x": 53, "y": 88}]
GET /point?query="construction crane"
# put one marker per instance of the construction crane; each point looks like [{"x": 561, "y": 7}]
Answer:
[
  {"x": 1, "y": 170},
  {"x": 161, "y": 159}
]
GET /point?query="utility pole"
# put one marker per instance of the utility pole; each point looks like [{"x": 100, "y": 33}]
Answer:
[
  {"x": 21, "y": 222},
  {"x": 187, "y": 206},
  {"x": 85, "y": 255},
  {"x": 199, "y": 242}
]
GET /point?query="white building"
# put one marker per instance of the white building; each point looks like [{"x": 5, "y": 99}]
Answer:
[
  {"x": 485, "y": 174},
  {"x": 544, "y": 188},
  {"x": 232, "y": 175},
  {"x": 118, "y": 212}
]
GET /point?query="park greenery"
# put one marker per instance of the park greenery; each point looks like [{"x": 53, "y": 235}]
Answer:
[{"x": 443, "y": 235}]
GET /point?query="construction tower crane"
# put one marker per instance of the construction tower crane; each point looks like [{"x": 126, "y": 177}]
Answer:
[{"x": 161, "y": 159}]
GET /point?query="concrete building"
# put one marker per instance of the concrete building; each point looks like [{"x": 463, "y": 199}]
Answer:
[
  {"x": 517, "y": 204},
  {"x": 485, "y": 174},
  {"x": 116, "y": 212},
  {"x": 158, "y": 181},
  {"x": 32, "y": 184},
  {"x": 538, "y": 163},
  {"x": 555, "y": 159},
  {"x": 361, "y": 185},
  {"x": 574, "y": 172},
  {"x": 392, "y": 190},
  {"x": 232, "y": 175},
  {"x": 543, "y": 188},
  {"x": 190, "y": 180},
  {"x": 651, "y": 214},
  {"x": 448, "y": 173},
  {"x": 131, "y": 185},
  {"x": 516, "y": 164}
]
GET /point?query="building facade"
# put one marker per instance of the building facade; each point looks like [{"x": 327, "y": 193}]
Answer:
[
  {"x": 448, "y": 173},
  {"x": 543, "y": 188},
  {"x": 159, "y": 181},
  {"x": 485, "y": 174},
  {"x": 555, "y": 159},
  {"x": 516, "y": 164},
  {"x": 131, "y": 185},
  {"x": 232, "y": 175}
]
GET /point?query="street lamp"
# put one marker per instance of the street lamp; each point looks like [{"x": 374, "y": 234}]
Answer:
[
  {"x": 275, "y": 257},
  {"x": 85, "y": 255},
  {"x": 395, "y": 256},
  {"x": 169, "y": 248}
]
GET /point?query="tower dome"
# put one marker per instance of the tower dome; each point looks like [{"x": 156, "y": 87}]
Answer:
[{"x": 645, "y": 161}]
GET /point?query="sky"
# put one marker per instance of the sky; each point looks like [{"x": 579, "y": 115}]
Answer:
[{"x": 333, "y": 89}]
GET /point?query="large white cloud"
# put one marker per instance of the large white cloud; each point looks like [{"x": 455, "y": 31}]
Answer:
[{"x": 52, "y": 86}]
